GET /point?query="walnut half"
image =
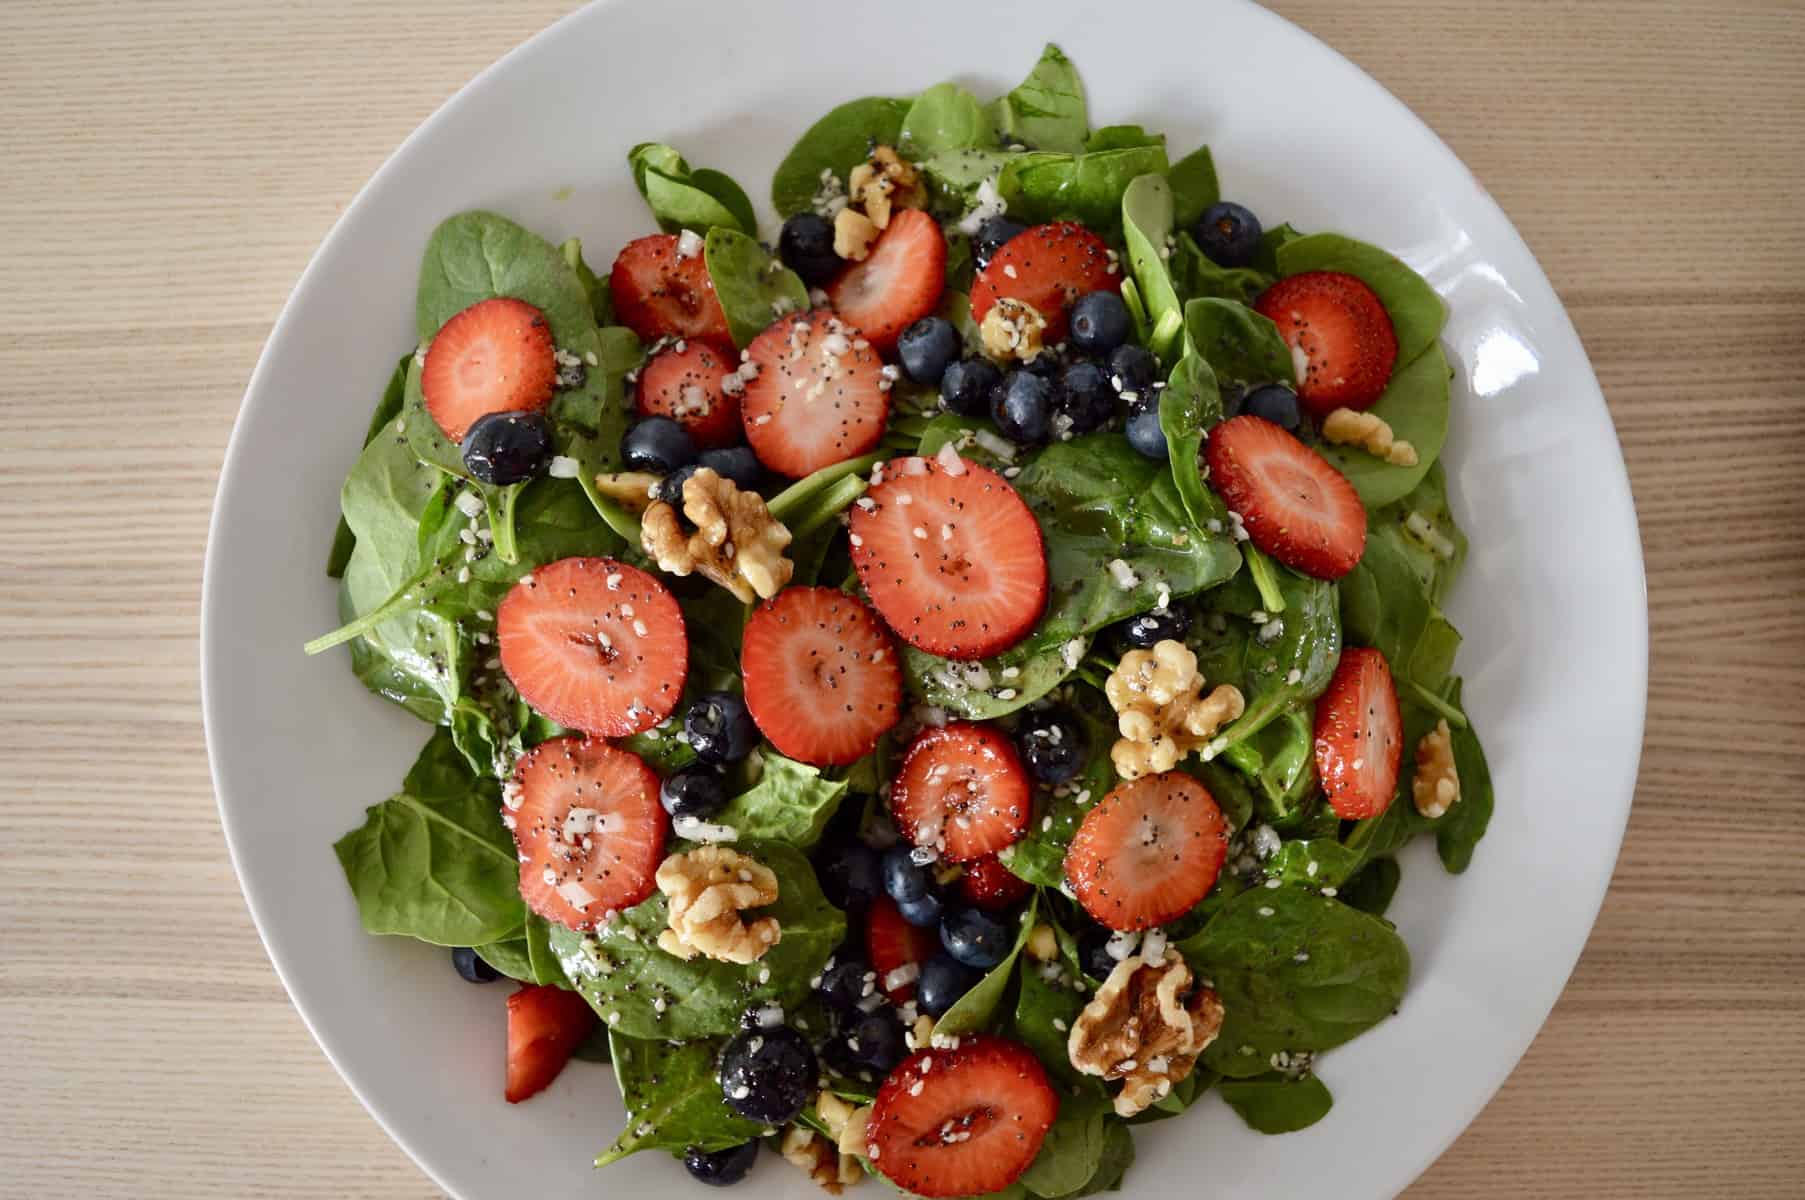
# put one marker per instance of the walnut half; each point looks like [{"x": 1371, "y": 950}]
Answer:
[
  {"x": 1371, "y": 433},
  {"x": 1436, "y": 785},
  {"x": 1161, "y": 711},
  {"x": 737, "y": 544},
  {"x": 1145, "y": 1026},
  {"x": 707, "y": 889},
  {"x": 820, "y": 1159}
]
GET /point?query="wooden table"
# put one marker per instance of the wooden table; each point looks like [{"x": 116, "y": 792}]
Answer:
[{"x": 166, "y": 170}]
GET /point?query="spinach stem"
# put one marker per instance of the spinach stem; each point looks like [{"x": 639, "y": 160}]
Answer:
[
  {"x": 793, "y": 497},
  {"x": 1265, "y": 577},
  {"x": 501, "y": 521},
  {"x": 828, "y": 504},
  {"x": 1429, "y": 699},
  {"x": 400, "y": 602}
]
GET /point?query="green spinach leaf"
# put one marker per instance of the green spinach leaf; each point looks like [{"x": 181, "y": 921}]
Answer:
[
  {"x": 1313, "y": 862},
  {"x": 1046, "y": 1004},
  {"x": 1046, "y": 111},
  {"x": 1146, "y": 226},
  {"x": 1042, "y": 186},
  {"x": 1196, "y": 276},
  {"x": 791, "y": 802},
  {"x": 1073, "y": 1148},
  {"x": 944, "y": 119},
  {"x": 1275, "y": 1103},
  {"x": 1371, "y": 888},
  {"x": 1194, "y": 188},
  {"x": 754, "y": 288},
  {"x": 835, "y": 145},
  {"x": 1457, "y": 832},
  {"x": 1241, "y": 346},
  {"x": 387, "y": 409},
  {"x": 478, "y": 255},
  {"x": 1190, "y": 404},
  {"x": 683, "y": 199},
  {"x": 1417, "y": 313},
  {"x": 673, "y": 1099},
  {"x": 601, "y": 298}
]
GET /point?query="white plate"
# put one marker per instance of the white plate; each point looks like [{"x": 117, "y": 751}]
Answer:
[{"x": 1552, "y": 603}]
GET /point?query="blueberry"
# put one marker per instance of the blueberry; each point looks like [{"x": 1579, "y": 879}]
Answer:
[
  {"x": 992, "y": 234},
  {"x": 768, "y": 1075},
  {"x": 1093, "y": 952},
  {"x": 1229, "y": 235},
  {"x": 924, "y": 911},
  {"x": 904, "y": 878},
  {"x": 927, "y": 348},
  {"x": 1276, "y": 403},
  {"x": 943, "y": 981},
  {"x": 976, "y": 938},
  {"x": 1144, "y": 433},
  {"x": 1100, "y": 322},
  {"x": 806, "y": 246},
  {"x": 472, "y": 968},
  {"x": 1135, "y": 366},
  {"x": 875, "y": 1040},
  {"x": 658, "y": 445},
  {"x": 1146, "y": 630},
  {"x": 846, "y": 981},
  {"x": 670, "y": 488},
  {"x": 966, "y": 386},
  {"x": 737, "y": 463},
  {"x": 1022, "y": 407},
  {"x": 507, "y": 447},
  {"x": 720, "y": 1168},
  {"x": 1052, "y": 743},
  {"x": 720, "y": 728},
  {"x": 1045, "y": 364},
  {"x": 694, "y": 792},
  {"x": 851, "y": 875},
  {"x": 1085, "y": 397}
]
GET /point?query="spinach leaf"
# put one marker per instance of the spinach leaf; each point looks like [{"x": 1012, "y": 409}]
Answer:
[
  {"x": 1417, "y": 313},
  {"x": 387, "y": 409},
  {"x": 944, "y": 119},
  {"x": 1280, "y": 760},
  {"x": 1278, "y": 663},
  {"x": 643, "y": 992},
  {"x": 1371, "y": 888},
  {"x": 673, "y": 1099},
  {"x": 601, "y": 298},
  {"x": 1194, "y": 188},
  {"x": 1296, "y": 971},
  {"x": 433, "y": 861},
  {"x": 1146, "y": 225},
  {"x": 974, "y": 1010},
  {"x": 1385, "y": 605},
  {"x": 954, "y": 176},
  {"x": 1196, "y": 276},
  {"x": 683, "y": 199},
  {"x": 1189, "y": 405},
  {"x": 1415, "y": 405},
  {"x": 1275, "y": 1103},
  {"x": 1113, "y": 1163},
  {"x": 1121, "y": 137},
  {"x": 1313, "y": 862},
  {"x": 478, "y": 255},
  {"x": 528, "y": 957},
  {"x": 1458, "y": 831},
  {"x": 1045, "y": 1007},
  {"x": 510, "y": 957},
  {"x": 834, "y": 145},
  {"x": 1421, "y": 535},
  {"x": 1241, "y": 346},
  {"x": 754, "y": 288},
  {"x": 1046, "y": 111},
  {"x": 791, "y": 802},
  {"x": 1073, "y": 1148},
  {"x": 1042, "y": 186}
]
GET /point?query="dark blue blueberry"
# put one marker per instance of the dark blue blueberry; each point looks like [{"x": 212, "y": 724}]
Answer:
[
  {"x": 1144, "y": 433},
  {"x": 1085, "y": 397},
  {"x": 1100, "y": 322},
  {"x": 806, "y": 246},
  {"x": 904, "y": 878},
  {"x": 1052, "y": 743},
  {"x": 943, "y": 981},
  {"x": 927, "y": 348},
  {"x": 1276, "y": 403},
  {"x": 658, "y": 445},
  {"x": 719, "y": 728},
  {"x": 1045, "y": 364},
  {"x": 875, "y": 1040},
  {"x": 967, "y": 384},
  {"x": 768, "y": 1075},
  {"x": 1022, "y": 407},
  {"x": 737, "y": 463},
  {"x": 507, "y": 447},
  {"x": 670, "y": 488},
  {"x": 993, "y": 233},
  {"x": 1093, "y": 952},
  {"x": 1229, "y": 235},
  {"x": 1133, "y": 368},
  {"x": 720, "y": 1168},
  {"x": 976, "y": 938},
  {"x": 845, "y": 981},
  {"x": 694, "y": 792},
  {"x": 924, "y": 911},
  {"x": 850, "y": 874},
  {"x": 1146, "y": 630},
  {"x": 473, "y": 968}
]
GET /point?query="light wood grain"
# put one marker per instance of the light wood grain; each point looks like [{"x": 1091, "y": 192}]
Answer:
[{"x": 167, "y": 168}]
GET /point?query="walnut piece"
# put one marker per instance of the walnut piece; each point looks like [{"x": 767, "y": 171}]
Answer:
[
  {"x": 1371, "y": 433},
  {"x": 1145, "y": 1026},
  {"x": 883, "y": 183},
  {"x": 707, "y": 889},
  {"x": 1161, "y": 712},
  {"x": 738, "y": 543},
  {"x": 1012, "y": 330},
  {"x": 1436, "y": 785},
  {"x": 820, "y": 1159},
  {"x": 632, "y": 489},
  {"x": 853, "y": 234}
]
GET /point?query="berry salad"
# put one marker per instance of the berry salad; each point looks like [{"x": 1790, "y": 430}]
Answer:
[{"x": 929, "y": 686}]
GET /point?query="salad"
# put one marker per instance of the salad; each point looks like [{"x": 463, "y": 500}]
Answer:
[{"x": 931, "y": 695}]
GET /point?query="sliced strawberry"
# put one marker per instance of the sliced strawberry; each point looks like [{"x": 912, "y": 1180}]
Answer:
[
  {"x": 1359, "y": 736},
  {"x": 1294, "y": 505},
  {"x": 961, "y": 790},
  {"x": 891, "y": 942},
  {"x": 961, "y": 1121},
  {"x": 495, "y": 356},
  {"x": 1342, "y": 331},
  {"x": 661, "y": 293},
  {"x": 683, "y": 382},
  {"x": 821, "y": 675},
  {"x": 1048, "y": 266},
  {"x": 898, "y": 283},
  {"x": 545, "y": 1027},
  {"x": 1148, "y": 852},
  {"x": 990, "y": 885},
  {"x": 595, "y": 645},
  {"x": 820, "y": 396}
]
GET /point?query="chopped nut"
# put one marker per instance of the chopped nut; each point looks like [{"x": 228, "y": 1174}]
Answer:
[
  {"x": 1145, "y": 1026},
  {"x": 1160, "y": 709},
  {"x": 820, "y": 1159},
  {"x": 1371, "y": 433},
  {"x": 921, "y": 1033},
  {"x": 1436, "y": 785},
  {"x": 707, "y": 888},
  {"x": 1011, "y": 330},
  {"x": 833, "y": 1111},
  {"x": 633, "y": 489},
  {"x": 852, "y": 1134},
  {"x": 738, "y": 543},
  {"x": 1043, "y": 944},
  {"x": 885, "y": 182},
  {"x": 853, "y": 234}
]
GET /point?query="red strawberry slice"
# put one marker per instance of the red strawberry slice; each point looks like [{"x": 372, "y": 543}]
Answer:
[
  {"x": 495, "y": 356},
  {"x": 962, "y": 791},
  {"x": 661, "y": 293},
  {"x": 1359, "y": 736},
  {"x": 898, "y": 283},
  {"x": 891, "y": 942},
  {"x": 950, "y": 556},
  {"x": 595, "y": 645},
  {"x": 545, "y": 1027},
  {"x": 1148, "y": 852},
  {"x": 683, "y": 383},
  {"x": 990, "y": 885},
  {"x": 1343, "y": 332},
  {"x": 1048, "y": 266},
  {"x": 961, "y": 1121},
  {"x": 821, "y": 675},
  {"x": 1294, "y": 505},
  {"x": 820, "y": 396}
]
